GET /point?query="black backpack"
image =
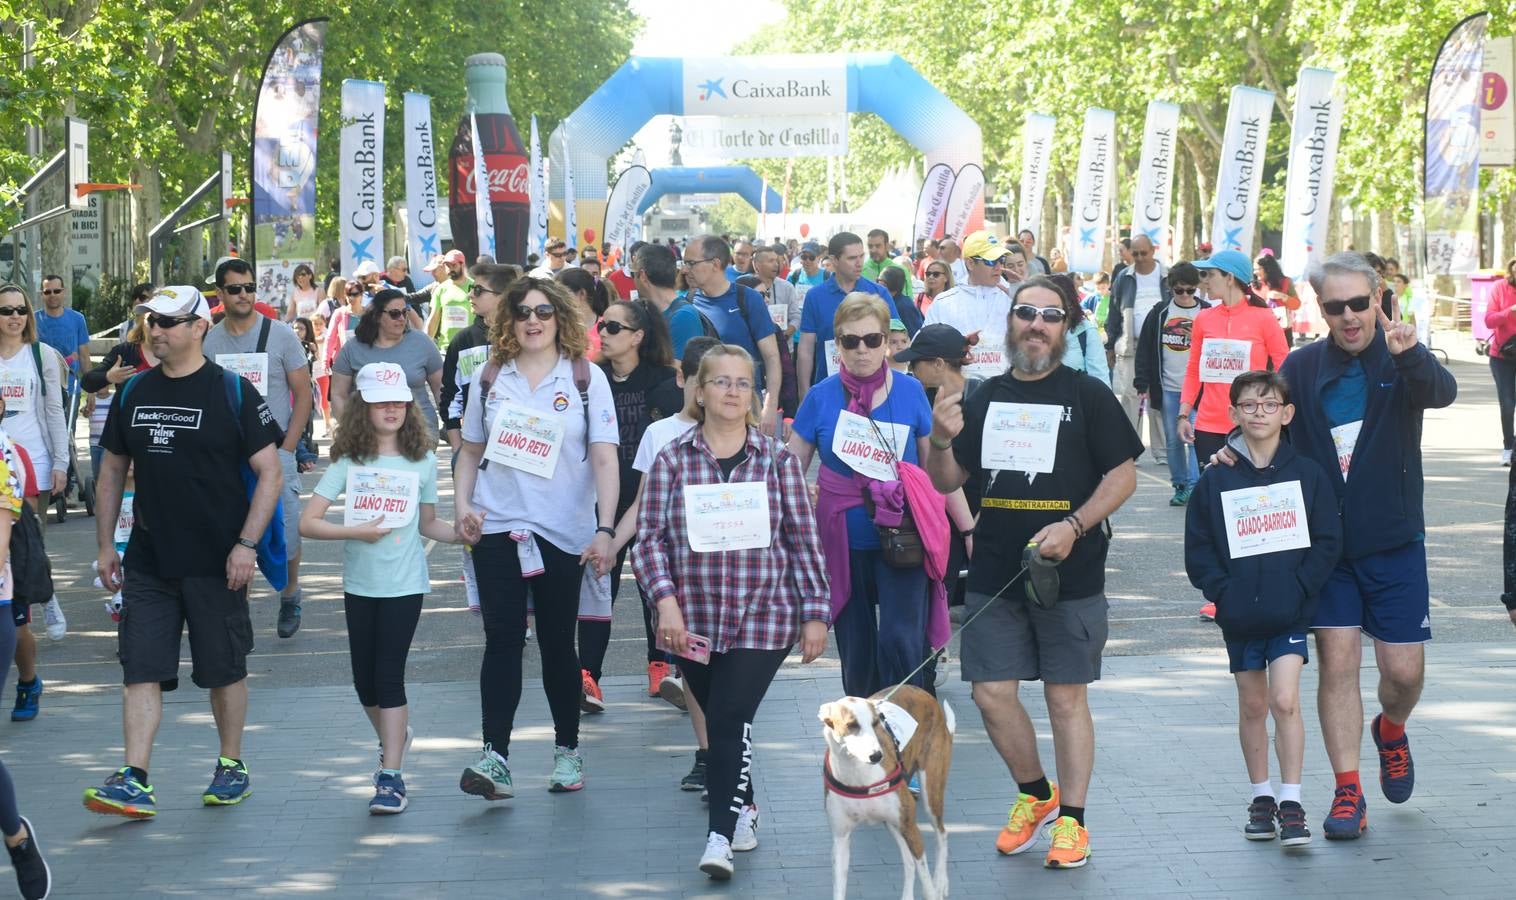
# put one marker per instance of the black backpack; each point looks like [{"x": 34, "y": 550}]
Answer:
[{"x": 31, "y": 571}]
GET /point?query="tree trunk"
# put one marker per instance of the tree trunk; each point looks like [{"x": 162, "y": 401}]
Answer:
[
  {"x": 1183, "y": 236},
  {"x": 146, "y": 211}
]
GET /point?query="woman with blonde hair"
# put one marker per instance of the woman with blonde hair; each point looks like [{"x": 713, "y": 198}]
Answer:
[{"x": 536, "y": 491}]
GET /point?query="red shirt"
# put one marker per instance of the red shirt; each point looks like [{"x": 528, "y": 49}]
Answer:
[
  {"x": 1501, "y": 316},
  {"x": 623, "y": 282}
]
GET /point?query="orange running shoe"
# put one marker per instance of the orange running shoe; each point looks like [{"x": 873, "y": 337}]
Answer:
[
  {"x": 590, "y": 698},
  {"x": 656, "y": 672},
  {"x": 1071, "y": 845},
  {"x": 1208, "y": 612},
  {"x": 1024, "y": 823}
]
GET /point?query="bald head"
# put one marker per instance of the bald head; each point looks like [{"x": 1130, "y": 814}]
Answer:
[{"x": 1142, "y": 255}]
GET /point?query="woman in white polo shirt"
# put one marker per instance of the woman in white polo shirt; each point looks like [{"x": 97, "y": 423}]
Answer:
[{"x": 537, "y": 486}]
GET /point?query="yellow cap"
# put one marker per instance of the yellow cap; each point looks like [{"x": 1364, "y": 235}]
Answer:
[{"x": 983, "y": 245}]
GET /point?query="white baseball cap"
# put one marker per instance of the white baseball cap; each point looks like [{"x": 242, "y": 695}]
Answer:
[
  {"x": 367, "y": 267},
  {"x": 177, "y": 300},
  {"x": 383, "y": 382}
]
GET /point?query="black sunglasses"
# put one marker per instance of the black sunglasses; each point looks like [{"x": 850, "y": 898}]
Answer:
[
  {"x": 476, "y": 290},
  {"x": 395, "y": 313},
  {"x": 358, "y": 292},
  {"x": 613, "y": 327},
  {"x": 235, "y": 289},
  {"x": 1338, "y": 307},
  {"x": 51, "y": 291},
  {"x": 1050, "y": 314},
  {"x": 544, "y": 311},
  {"x": 1185, "y": 290},
  {"x": 167, "y": 322},
  {"x": 13, "y": 311},
  {"x": 851, "y": 341}
]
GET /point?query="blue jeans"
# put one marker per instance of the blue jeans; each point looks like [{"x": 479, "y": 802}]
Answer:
[
  {"x": 878, "y": 651},
  {"x": 1182, "y": 468}
]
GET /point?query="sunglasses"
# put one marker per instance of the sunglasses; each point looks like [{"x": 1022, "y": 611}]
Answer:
[
  {"x": 355, "y": 293},
  {"x": 1187, "y": 291},
  {"x": 1050, "y": 314},
  {"x": 851, "y": 341},
  {"x": 613, "y": 327},
  {"x": 12, "y": 310},
  {"x": 808, "y": 257},
  {"x": 544, "y": 311},
  {"x": 166, "y": 322},
  {"x": 932, "y": 274},
  {"x": 1249, "y": 407},
  {"x": 1338, "y": 307},
  {"x": 556, "y": 254},
  {"x": 52, "y": 291},
  {"x": 233, "y": 290},
  {"x": 476, "y": 290},
  {"x": 396, "y": 314}
]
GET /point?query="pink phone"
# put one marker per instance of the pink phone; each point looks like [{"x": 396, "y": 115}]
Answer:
[{"x": 700, "y": 648}]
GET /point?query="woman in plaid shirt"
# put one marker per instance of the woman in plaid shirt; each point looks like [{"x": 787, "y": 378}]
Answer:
[{"x": 728, "y": 553}]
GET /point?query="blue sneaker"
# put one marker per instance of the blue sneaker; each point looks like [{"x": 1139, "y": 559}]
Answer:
[
  {"x": 1397, "y": 774},
  {"x": 27, "y": 700},
  {"x": 230, "y": 784},
  {"x": 389, "y": 795},
  {"x": 914, "y": 785},
  {"x": 1349, "y": 817},
  {"x": 121, "y": 795}
]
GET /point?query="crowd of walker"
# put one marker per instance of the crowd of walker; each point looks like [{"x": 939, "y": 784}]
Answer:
[{"x": 976, "y": 438}]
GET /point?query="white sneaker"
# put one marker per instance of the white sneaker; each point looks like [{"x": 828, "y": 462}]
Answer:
[
  {"x": 944, "y": 663},
  {"x": 746, "y": 836},
  {"x": 717, "y": 861},
  {"x": 57, "y": 625},
  {"x": 1505, "y": 458}
]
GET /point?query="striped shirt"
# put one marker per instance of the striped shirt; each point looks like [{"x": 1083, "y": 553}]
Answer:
[{"x": 739, "y": 599}]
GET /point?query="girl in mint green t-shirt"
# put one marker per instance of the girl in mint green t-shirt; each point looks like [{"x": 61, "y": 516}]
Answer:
[{"x": 383, "y": 467}]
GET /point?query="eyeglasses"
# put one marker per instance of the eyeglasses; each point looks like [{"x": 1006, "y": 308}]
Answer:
[
  {"x": 12, "y": 310},
  {"x": 396, "y": 314},
  {"x": 725, "y": 383},
  {"x": 851, "y": 341},
  {"x": 610, "y": 326},
  {"x": 933, "y": 274},
  {"x": 692, "y": 263},
  {"x": 1338, "y": 307},
  {"x": 166, "y": 322},
  {"x": 1050, "y": 314},
  {"x": 1249, "y": 407},
  {"x": 477, "y": 289},
  {"x": 233, "y": 290},
  {"x": 1187, "y": 291},
  {"x": 544, "y": 311},
  {"x": 51, "y": 291}
]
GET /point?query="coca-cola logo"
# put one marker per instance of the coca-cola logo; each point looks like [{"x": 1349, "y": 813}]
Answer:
[{"x": 505, "y": 182}]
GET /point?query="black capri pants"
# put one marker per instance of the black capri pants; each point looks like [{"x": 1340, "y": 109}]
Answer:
[{"x": 379, "y": 632}]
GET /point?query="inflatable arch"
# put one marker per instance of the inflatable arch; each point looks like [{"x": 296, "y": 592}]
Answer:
[
  {"x": 739, "y": 180},
  {"x": 778, "y": 86}
]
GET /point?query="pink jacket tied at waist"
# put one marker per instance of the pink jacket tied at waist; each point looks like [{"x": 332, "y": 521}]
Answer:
[{"x": 838, "y": 493}]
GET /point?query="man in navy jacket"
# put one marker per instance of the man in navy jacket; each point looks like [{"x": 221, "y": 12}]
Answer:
[{"x": 1359, "y": 399}]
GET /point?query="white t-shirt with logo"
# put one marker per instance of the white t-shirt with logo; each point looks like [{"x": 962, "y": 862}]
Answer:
[{"x": 21, "y": 384}]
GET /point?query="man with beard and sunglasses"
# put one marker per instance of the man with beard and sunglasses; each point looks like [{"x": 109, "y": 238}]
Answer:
[
  {"x": 1054, "y": 456},
  {"x": 452, "y": 311}
]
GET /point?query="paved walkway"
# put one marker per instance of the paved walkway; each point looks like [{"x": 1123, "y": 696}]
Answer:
[{"x": 1165, "y": 810}]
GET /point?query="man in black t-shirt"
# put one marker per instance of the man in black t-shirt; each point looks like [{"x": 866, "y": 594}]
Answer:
[
  {"x": 1055, "y": 456},
  {"x": 187, "y": 427}
]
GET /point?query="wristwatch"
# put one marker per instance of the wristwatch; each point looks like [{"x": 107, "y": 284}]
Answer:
[{"x": 244, "y": 542}]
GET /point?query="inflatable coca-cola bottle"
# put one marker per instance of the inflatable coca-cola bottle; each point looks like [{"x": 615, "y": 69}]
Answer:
[{"x": 504, "y": 157}]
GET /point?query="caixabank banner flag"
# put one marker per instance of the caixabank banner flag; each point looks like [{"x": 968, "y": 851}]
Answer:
[
  {"x": 360, "y": 175},
  {"x": 1313, "y": 164},
  {"x": 1093, "y": 183},
  {"x": 423, "y": 240},
  {"x": 1241, "y": 175},
  {"x": 1155, "y": 174},
  {"x": 1036, "y": 154}
]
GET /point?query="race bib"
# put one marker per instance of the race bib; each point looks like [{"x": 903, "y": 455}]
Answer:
[
  {"x": 1265, "y": 519},
  {"x": 1346, "y": 439},
  {"x": 986, "y": 358},
  {"x": 833, "y": 358},
  {"x": 869, "y": 452},
  {"x": 780, "y": 313},
  {"x": 389, "y": 495},
  {"x": 252, "y": 366},
  {"x": 124, "y": 521},
  {"x": 17, "y": 388},
  {"x": 731, "y": 516},
  {"x": 455, "y": 317},
  {"x": 902, "y": 724},
  {"x": 1221, "y": 360},
  {"x": 1020, "y": 437},
  {"x": 525, "y": 439}
]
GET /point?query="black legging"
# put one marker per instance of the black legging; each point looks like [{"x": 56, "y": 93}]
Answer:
[
  {"x": 379, "y": 632},
  {"x": 1206, "y": 445},
  {"x": 502, "y": 602},
  {"x": 1504, "y": 373},
  {"x": 10, "y": 817},
  {"x": 729, "y": 689}
]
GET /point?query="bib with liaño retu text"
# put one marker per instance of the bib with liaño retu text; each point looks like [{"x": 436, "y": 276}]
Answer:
[
  {"x": 1222, "y": 360},
  {"x": 17, "y": 388},
  {"x": 727, "y": 516},
  {"x": 1265, "y": 519},
  {"x": 1020, "y": 437},
  {"x": 525, "y": 439},
  {"x": 857, "y": 443},
  {"x": 125, "y": 519},
  {"x": 1345, "y": 438},
  {"x": 252, "y": 366},
  {"x": 388, "y": 495}
]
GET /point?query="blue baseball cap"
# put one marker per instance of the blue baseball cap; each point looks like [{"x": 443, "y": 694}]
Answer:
[{"x": 1232, "y": 262}]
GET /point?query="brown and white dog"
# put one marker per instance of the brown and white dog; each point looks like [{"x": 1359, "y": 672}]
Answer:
[{"x": 872, "y": 751}]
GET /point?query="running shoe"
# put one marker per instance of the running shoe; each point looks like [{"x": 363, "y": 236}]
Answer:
[
  {"x": 1505, "y": 458},
  {"x": 1207, "y": 612},
  {"x": 1262, "y": 813},
  {"x": 1397, "y": 774},
  {"x": 52, "y": 615},
  {"x": 1292, "y": 828},
  {"x": 944, "y": 662},
  {"x": 121, "y": 795},
  {"x": 488, "y": 778},
  {"x": 230, "y": 785},
  {"x": 717, "y": 861},
  {"x": 1027, "y": 818},
  {"x": 33, "y": 878},
  {"x": 568, "y": 771},
  {"x": 1071, "y": 845},
  {"x": 590, "y": 698},
  {"x": 671, "y": 688},
  {"x": 695, "y": 781},
  {"x": 1349, "y": 817},
  {"x": 28, "y": 700},
  {"x": 656, "y": 672},
  {"x": 113, "y": 607},
  {"x": 746, "y": 836},
  {"x": 1181, "y": 496},
  {"x": 389, "y": 795},
  {"x": 410, "y": 735},
  {"x": 289, "y": 617}
]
